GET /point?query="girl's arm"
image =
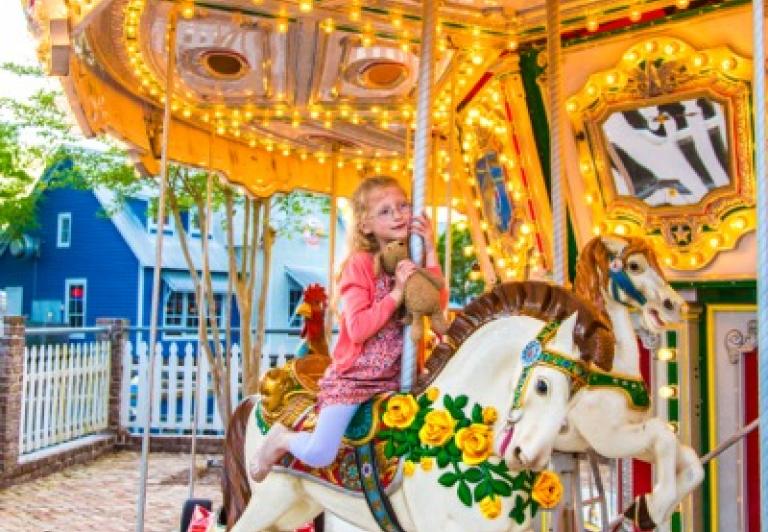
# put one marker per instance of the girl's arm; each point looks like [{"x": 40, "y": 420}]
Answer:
[{"x": 363, "y": 315}]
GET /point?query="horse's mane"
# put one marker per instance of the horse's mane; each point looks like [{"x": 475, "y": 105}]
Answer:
[
  {"x": 547, "y": 302},
  {"x": 592, "y": 267}
]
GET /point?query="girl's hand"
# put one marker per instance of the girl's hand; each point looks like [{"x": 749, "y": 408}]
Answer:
[
  {"x": 404, "y": 270},
  {"x": 423, "y": 227}
]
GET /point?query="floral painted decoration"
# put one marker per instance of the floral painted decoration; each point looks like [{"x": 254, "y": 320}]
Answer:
[{"x": 423, "y": 434}]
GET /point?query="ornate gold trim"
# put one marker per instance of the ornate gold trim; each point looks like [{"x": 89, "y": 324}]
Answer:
[{"x": 656, "y": 71}]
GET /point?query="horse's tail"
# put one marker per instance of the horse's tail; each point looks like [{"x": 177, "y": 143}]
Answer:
[{"x": 234, "y": 481}]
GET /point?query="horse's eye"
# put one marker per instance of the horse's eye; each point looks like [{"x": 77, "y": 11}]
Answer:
[
  {"x": 541, "y": 387},
  {"x": 634, "y": 267}
]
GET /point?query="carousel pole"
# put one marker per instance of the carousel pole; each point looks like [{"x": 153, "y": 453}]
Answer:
[
  {"x": 758, "y": 104},
  {"x": 421, "y": 151},
  {"x": 567, "y": 464},
  {"x": 201, "y": 300},
  {"x": 170, "y": 67},
  {"x": 331, "y": 251},
  {"x": 448, "y": 187}
]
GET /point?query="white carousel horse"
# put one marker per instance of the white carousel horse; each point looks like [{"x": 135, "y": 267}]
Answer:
[
  {"x": 565, "y": 411},
  {"x": 479, "y": 358}
]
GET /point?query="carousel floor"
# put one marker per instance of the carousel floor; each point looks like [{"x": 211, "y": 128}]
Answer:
[{"x": 102, "y": 495}]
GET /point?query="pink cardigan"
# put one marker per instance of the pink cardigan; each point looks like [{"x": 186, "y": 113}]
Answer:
[{"x": 361, "y": 317}]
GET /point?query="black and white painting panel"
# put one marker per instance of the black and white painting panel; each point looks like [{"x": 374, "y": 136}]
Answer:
[{"x": 669, "y": 154}]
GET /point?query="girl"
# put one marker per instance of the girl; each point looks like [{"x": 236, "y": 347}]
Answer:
[{"x": 366, "y": 359}]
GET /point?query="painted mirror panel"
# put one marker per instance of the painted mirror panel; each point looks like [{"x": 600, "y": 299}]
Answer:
[
  {"x": 664, "y": 143},
  {"x": 671, "y": 153}
]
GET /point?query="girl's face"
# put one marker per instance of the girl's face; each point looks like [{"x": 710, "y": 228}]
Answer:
[{"x": 388, "y": 216}]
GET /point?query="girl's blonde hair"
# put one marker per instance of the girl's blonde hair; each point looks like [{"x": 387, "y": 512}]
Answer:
[{"x": 356, "y": 239}]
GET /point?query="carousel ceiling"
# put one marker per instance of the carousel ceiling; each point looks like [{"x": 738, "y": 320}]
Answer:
[{"x": 305, "y": 77}]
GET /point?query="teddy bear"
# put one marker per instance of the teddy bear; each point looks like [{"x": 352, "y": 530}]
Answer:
[{"x": 421, "y": 294}]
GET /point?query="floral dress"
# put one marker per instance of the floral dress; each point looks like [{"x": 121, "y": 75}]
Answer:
[{"x": 376, "y": 370}]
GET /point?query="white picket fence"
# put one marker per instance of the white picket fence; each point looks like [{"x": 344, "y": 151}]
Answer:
[
  {"x": 65, "y": 391},
  {"x": 175, "y": 397}
]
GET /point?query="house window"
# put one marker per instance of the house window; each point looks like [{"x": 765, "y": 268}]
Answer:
[
  {"x": 295, "y": 294},
  {"x": 74, "y": 302},
  {"x": 194, "y": 221},
  {"x": 64, "y": 230},
  {"x": 152, "y": 222},
  {"x": 181, "y": 311}
]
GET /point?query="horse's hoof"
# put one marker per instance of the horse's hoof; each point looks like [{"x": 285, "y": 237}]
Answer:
[{"x": 639, "y": 515}]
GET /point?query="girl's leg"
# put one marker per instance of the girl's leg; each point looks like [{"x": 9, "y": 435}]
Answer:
[{"x": 319, "y": 448}]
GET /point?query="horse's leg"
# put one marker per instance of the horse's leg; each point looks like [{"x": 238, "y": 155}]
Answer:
[
  {"x": 650, "y": 438},
  {"x": 690, "y": 473},
  {"x": 270, "y": 501}
]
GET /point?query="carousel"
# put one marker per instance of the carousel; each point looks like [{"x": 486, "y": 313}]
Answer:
[{"x": 606, "y": 157}]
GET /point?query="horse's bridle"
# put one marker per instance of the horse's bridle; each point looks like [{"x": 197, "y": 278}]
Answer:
[
  {"x": 533, "y": 355},
  {"x": 619, "y": 280}
]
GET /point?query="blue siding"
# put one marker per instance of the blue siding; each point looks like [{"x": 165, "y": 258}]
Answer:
[{"x": 97, "y": 253}]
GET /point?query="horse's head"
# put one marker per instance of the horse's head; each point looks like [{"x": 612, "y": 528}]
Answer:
[
  {"x": 551, "y": 371},
  {"x": 625, "y": 271}
]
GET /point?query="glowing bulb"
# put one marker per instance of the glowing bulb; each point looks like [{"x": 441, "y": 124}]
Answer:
[
  {"x": 715, "y": 241},
  {"x": 592, "y": 24},
  {"x": 477, "y": 58},
  {"x": 512, "y": 44},
  {"x": 682, "y": 4},
  {"x": 665, "y": 354},
  {"x": 635, "y": 15},
  {"x": 620, "y": 229},
  {"x": 668, "y": 391},
  {"x": 305, "y": 6},
  {"x": 328, "y": 25},
  {"x": 468, "y": 251},
  {"x": 738, "y": 223},
  {"x": 188, "y": 10}
]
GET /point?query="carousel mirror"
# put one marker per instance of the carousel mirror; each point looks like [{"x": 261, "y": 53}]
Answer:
[{"x": 664, "y": 143}]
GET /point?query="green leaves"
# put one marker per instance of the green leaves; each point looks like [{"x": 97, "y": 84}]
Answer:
[
  {"x": 465, "y": 496},
  {"x": 448, "y": 479},
  {"x": 473, "y": 483}
]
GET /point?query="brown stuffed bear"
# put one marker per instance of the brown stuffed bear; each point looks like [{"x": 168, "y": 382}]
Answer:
[{"x": 422, "y": 291}]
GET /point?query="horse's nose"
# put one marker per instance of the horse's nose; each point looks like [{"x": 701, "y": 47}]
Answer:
[{"x": 518, "y": 454}]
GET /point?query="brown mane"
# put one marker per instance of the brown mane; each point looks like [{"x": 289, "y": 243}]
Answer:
[
  {"x": 592, "y": 267},
  {"x": 544, "y": 301}
]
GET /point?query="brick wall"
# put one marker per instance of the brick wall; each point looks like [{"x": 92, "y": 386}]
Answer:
[{"x": 15, "y": 468}]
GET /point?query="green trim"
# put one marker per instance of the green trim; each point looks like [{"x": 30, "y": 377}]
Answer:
[
  {"x": 636, "y": 390},
  {"x": 745, "y": 283},
  {"x": 530, "y": 72},
  {"x": 260, "y": 422},
  {"x": 573, "y": 250},
  {"x": 704, "y": 433}
]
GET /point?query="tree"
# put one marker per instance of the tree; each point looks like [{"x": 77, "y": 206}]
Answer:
[
  {"x": 463, "y": 287},
  {"x": 36, "y": 135}
]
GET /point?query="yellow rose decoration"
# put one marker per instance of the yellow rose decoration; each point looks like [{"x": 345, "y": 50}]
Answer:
[
  {"x": 475, "y": 442},
  {"x": 490, "y": 415},
  {"x": 490, "y": 507},
  {"x": 426, "y": 463},
  {"x": 408, "y": 468},
  {"x": 437, "y": 429},
  {"x": 547, "y": 489},
  {"x": 432, "y": 393},
  {"x": 401, "y": 411}
]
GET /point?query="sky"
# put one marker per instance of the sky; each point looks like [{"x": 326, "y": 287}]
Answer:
[{"x": 17, "y": 46}]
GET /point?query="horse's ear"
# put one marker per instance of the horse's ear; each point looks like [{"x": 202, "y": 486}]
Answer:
[
  {"x": 614, "y": 244},
  {"x": 563, "y": 340}
]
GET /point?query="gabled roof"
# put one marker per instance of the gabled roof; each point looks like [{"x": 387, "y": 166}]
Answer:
[{"x": 142, "y": 242}]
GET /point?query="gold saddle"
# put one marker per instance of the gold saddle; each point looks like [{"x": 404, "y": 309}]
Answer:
[{"x": 289, "y": 393}]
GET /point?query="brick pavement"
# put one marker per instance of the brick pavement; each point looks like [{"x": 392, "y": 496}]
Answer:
[{"x": 101, "y": 496}]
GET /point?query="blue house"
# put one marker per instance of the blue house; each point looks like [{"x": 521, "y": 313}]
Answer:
[{"x": 82, "y": 264}]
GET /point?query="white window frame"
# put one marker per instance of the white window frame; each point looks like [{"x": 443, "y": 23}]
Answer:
[
  {"x": 175, "y": 332},
  {"x": 152, "y": 222},
  {"x": 67, "y": 284},
  {"x": 60, "y": 243}
]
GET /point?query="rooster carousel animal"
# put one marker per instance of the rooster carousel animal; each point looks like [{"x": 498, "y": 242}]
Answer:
[{"x": 289, "y": 389}]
